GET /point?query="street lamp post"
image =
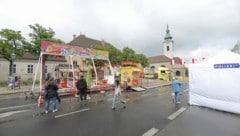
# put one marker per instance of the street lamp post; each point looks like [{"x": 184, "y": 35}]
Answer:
[{"x": 13, "y": 57}]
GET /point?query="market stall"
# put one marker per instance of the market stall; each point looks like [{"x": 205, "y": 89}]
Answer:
[{"x": 69, "y": 72}]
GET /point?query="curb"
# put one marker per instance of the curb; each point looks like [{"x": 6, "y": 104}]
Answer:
[{"x": 157, "y": 86}]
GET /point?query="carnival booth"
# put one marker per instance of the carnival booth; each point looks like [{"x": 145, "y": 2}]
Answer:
[
  {"x": 131, "y": 70},
  {"x": 93, "y": 64},
  {"x": 214, "y": 83}
]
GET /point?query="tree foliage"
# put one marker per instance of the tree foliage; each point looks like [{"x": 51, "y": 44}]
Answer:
[
  {"x": 38, "y": 34},
  {"x": 142, "y": 59},
  {"x": 11, "y": 41},
  {"x": 115, "y": 55},
  {"x": 129, "y": 54}
]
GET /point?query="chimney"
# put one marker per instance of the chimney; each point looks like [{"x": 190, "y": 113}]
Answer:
[{"x": 74, "y": 36}]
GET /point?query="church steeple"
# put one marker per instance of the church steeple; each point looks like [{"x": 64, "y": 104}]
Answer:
[
  {"x": 168, "y": 44},
  {"x": 168, "y": 36}
]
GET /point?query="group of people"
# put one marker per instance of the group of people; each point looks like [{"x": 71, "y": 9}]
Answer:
[{"x": 51, "y": 95}]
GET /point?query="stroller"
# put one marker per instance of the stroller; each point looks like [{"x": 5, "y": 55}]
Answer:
[{"x": 14, "y": 82}]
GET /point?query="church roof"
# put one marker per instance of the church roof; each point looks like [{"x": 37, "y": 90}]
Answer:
[
  {"x": 162, "y": 59},
  {"x": 158, "y": 59}
]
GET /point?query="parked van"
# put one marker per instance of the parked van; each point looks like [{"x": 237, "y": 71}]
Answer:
[{"x": 163, "y": 73}]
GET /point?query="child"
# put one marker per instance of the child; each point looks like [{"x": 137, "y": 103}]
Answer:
[{"x": 117, "y": 94}]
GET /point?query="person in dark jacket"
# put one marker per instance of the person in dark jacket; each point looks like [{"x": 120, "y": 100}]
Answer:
[
  {"x": 82, "y": 88},
  {"x": 51, "y": 95}
]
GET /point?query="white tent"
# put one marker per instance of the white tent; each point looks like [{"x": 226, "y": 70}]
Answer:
[{"x": 214, "y": 83}]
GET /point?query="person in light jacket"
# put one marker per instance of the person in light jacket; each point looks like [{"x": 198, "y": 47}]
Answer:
[
  {"x": 176, "y": 87},
  {"x": 117, "y": 94}
]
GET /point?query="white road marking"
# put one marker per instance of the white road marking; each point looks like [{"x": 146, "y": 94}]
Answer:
[
  {"x": 14, "y": 107},
  {"x": 185, "y": 90},
  {"x": 175, "y": 114},
  {"x": 2, "y": 115},
  {"x": 151, "y": 132},
  {"x": 144, "y": 95},
  {"x": 70, "y": 113}
]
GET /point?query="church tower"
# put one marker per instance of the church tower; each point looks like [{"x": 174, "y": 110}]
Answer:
[{"x": 168, "y": 44}]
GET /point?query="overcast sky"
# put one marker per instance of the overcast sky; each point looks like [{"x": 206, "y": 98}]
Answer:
[{"x": 199, "y": 27}]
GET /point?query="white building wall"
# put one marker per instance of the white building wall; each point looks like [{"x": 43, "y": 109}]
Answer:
[
  {"x": 22, "y": 69},
  {"x": 168, "y": 53}
]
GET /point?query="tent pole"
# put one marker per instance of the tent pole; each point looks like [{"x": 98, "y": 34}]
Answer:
[
  {"x": 71, "y": 61},
  {"x": 112, "y": 73},
  {"x": 36, "y": 71},
  {"x": 95, "y": 70},
  {"x": 40, "y": 83}
]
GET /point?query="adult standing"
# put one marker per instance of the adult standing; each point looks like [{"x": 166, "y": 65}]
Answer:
[
  {"x": 82, "y": 88},
  {"x": 50, "y": 95},
  {"x": 176, "y": 87}
]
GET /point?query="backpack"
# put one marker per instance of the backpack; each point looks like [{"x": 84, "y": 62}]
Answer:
[{"x": 81, "y": 84}]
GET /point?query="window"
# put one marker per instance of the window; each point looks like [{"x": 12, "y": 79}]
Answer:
[
  {"x": 74, "y": 62},
  {"x": 163, "y": 71},
  {"x": 178, "y": 73},
  {"x": 168, "y": 48},
  {"x": 30, "y": 69},
  {"x": 14, "y": 68}
]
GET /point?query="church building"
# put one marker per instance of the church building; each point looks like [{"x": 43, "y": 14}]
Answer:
[{"x": 174, "y": 63}]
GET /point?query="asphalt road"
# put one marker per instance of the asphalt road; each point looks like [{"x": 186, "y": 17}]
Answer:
[{"x": 145, "y": 111}]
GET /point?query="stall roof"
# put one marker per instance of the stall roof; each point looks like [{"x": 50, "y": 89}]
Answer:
[{"x": 51, "y": 48}]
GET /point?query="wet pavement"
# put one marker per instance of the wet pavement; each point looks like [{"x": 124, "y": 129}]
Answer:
[
  {"x": 145, "y": 111},
  {"x": 200, "y": 121}
]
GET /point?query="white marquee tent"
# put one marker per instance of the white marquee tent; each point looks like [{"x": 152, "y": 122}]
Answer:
[{"x": 215, "y": 83}]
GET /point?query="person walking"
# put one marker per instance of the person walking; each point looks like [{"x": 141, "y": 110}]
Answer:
[
  {"x": 176, "y": 87},
  {"x": 51, "y": 95},
  {"x": 82, "y": 88},
  {"x": 117, "y": 94}
]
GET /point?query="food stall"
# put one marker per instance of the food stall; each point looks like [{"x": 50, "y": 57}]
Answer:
[{"x": 132, "y": 71}]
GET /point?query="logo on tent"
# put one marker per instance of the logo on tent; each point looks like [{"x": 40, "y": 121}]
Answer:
[{"x": 228, "y": 65}]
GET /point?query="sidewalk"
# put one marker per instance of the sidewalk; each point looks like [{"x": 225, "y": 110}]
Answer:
[
  {"x": 6, "y": 90},
  {"x": 147, "y": 85}
]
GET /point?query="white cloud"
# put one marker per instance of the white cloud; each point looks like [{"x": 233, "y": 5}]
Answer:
[{"x": 198, "y": 27}]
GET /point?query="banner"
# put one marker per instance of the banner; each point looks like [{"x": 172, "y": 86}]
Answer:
[{"x": 69, "y": 50}]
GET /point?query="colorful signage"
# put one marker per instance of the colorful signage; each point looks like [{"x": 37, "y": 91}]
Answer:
[
  {"x": 227, "y": 65},
  {"x": 51, "y": 48}
]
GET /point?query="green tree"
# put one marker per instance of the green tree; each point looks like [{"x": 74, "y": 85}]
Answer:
[
  {"x": 129, "y": 54},
  {"x": 38, "y": 34},
  {"x": 11, "y": 41},
  {"x": 142, "y": 59},
  {"x": 115, "y": 55}
]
